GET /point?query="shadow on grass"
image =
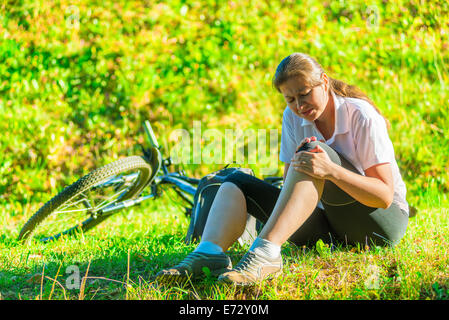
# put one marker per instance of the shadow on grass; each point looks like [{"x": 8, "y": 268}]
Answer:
[{"x": 56, "y": 273}]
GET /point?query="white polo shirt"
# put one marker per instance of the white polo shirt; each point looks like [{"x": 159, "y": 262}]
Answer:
[{"x": 360, "y": 135}]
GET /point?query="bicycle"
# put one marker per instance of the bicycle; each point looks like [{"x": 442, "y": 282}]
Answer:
[{"x": 101, "y": 193}]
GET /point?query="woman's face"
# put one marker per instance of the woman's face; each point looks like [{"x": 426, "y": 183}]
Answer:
[{"x": 305, "y": 101}]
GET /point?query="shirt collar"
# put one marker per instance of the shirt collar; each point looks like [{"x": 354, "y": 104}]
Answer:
[{"x": 341, "y": 116}]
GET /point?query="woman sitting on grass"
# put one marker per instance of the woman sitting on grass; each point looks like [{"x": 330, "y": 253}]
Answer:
[{"x": 341, "y": 182}]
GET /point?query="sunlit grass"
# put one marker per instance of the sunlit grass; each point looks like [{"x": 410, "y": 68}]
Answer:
[{"x": 121, "y": 257}]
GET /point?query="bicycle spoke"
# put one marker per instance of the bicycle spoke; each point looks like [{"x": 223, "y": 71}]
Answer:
[
  {"x": 95, "y": 209},
  {"x": 71, "y": 211},
  {"x": 72, "y": 204},
  {"x": 72, "y": 215},
  {"x": 100, "y": 207}
]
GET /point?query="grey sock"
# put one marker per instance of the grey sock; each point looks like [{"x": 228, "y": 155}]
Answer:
[{"x": 208, "y": 247}]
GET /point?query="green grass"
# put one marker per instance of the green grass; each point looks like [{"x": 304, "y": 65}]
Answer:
[
  {"x": 77, "y": 81},
  {"x": 121, "y": 257}
]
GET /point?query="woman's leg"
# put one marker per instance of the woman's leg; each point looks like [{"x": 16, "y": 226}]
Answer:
[
  {"x": 227, "y": 216},
  {"x": 297, "y": 201},
  {"x": 261, "y": 198},
  {"x": 294, "y": 207},
  {"x": 356, "y": 223},
  {"x": 225, "y": 224}
]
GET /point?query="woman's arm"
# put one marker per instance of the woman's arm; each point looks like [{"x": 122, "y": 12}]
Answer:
[{"x": 374, "y": 190}]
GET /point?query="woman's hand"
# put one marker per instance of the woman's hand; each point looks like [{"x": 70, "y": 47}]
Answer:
[
  {"x": 304, "y": 141},
  {"x": 316, "y": 163}
]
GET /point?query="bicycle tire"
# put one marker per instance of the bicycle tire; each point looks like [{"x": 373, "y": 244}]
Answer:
[{"x": 85, "y": 183}]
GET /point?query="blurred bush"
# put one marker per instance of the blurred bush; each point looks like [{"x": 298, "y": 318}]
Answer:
[{"x": 77, "y": 79}]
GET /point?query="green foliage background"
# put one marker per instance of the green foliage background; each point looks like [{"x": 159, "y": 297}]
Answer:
[{"x": 78, "y": 78}]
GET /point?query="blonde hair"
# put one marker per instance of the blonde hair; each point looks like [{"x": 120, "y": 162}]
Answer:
[{"x": 309, "y": 70}]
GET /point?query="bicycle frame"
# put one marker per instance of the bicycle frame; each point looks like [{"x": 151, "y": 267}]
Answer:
[
  {"x": 153, "y": 173},
  {"x": 183, "y": 185}
]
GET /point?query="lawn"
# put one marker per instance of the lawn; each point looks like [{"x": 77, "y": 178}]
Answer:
[
  {"x": 118, "y": 260},
  {"x": 76, "y": 82}
]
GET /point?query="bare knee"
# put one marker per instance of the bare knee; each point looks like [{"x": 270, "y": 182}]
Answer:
[
  {"x": 301, "y": 176},
  {"x": 295, "y": 178}
]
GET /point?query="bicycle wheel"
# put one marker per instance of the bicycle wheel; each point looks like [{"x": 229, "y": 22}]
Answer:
[{"x": 79, "y": 206}]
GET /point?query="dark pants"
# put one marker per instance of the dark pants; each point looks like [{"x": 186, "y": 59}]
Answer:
[{"x": 343, "y": 220}]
